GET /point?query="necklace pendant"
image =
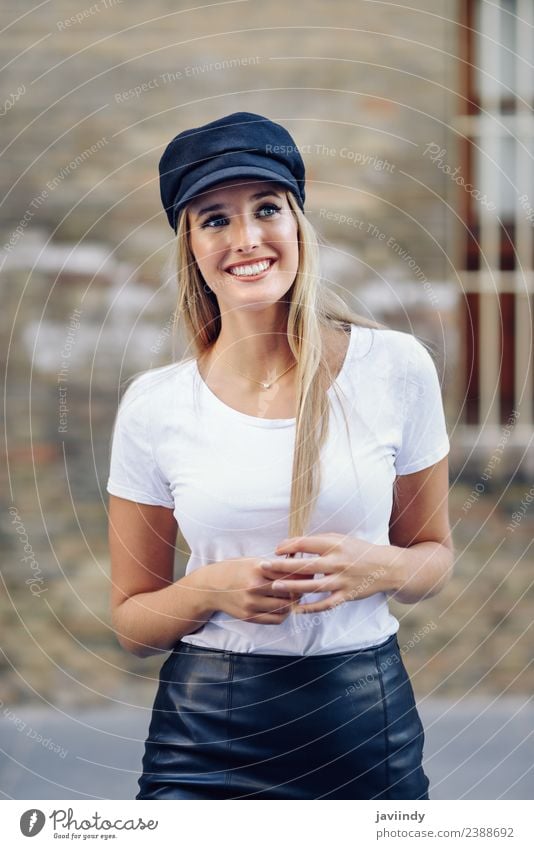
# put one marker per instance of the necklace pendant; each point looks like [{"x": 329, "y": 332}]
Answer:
[{"x": 266, "y": 385}]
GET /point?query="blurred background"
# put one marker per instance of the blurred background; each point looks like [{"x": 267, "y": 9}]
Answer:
[{"x": 416, "y": 126}]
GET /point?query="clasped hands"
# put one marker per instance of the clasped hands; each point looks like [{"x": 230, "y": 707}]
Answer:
[{"x": 351, "y": 569}]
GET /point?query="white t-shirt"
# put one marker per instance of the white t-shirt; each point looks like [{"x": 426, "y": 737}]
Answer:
[{"x": 227, "y": 476}]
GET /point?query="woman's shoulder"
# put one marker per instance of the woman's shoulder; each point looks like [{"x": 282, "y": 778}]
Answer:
[
  {"x": 157, "y": 380},
  {"x": 392, "y": 354},
  {"x": 384, "y": 341}
]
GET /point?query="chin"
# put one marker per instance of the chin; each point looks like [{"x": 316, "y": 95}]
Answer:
[
  {"x": 255, "y": 297},
  {"x": 251, "y": 305}
]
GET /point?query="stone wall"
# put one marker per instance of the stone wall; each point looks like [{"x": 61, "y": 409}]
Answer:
[
  {"x": 363, "y": 87},
  {"x": 96, "y": 92}
]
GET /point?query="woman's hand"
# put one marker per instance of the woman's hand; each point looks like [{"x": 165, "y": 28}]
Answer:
[
  {"x": 243, "y": 588},
  {"x": 352, "y": 569}
]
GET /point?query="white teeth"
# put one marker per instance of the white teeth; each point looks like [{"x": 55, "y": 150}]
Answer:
[{"x": 250, "y": 270}]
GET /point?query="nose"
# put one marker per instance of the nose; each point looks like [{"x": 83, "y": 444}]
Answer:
[{"x": 244, "y": 233}]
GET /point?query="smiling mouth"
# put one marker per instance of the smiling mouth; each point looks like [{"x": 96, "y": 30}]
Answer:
[{"x": 251, "y": 270}]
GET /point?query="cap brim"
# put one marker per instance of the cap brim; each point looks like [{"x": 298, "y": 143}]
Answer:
[{"x": 222, "y": 175}]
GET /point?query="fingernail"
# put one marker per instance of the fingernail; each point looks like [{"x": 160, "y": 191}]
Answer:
[{"x": 278, "y": 585}]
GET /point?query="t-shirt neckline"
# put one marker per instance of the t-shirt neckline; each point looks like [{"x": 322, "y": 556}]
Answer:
[{"x": 257, "y": 421}]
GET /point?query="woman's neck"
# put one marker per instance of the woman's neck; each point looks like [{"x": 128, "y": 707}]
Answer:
[
  {"x": 254, "y": 345},
  {"x": 265, "y": 356}
]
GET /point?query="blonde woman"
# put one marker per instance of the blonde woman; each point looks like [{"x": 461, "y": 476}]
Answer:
[{"x": 302, "y": 451}]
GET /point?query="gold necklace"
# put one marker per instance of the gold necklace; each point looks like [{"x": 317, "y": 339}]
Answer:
[{"x": 263, "y": 383}]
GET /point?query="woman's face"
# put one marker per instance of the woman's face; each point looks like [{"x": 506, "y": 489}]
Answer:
[{"x": 243, "y": 236}]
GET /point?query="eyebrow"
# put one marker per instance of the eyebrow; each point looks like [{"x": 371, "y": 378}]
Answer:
[{"x": 215, "y": 207}]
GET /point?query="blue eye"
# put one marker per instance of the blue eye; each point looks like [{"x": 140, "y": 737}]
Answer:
[
  {"x": 214, "y": 221},
  {"x": 267, "y": 210},
  {"x": 272, "y": 207}
]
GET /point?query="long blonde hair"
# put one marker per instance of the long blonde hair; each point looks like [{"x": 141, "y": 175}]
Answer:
[{"x": 312, "y": 306}]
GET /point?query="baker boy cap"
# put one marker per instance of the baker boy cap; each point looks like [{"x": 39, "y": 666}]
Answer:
[{"x": 238, "y": 145}]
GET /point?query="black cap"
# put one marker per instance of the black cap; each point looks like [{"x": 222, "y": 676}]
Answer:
[{"x": 239, "y": 145}]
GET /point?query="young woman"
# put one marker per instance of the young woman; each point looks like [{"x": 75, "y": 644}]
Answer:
[{"x": 302, "y": 452}]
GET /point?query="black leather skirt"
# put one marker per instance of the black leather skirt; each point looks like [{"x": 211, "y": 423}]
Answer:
[{"x": 228, "y": 725}]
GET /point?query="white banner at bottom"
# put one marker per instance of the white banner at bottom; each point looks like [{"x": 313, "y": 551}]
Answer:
[{"x": 257, "y": 824}]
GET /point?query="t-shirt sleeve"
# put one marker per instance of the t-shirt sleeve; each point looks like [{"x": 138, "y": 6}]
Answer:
[
  {"x": 424, "y": 438},
  {"x": 133, "y": 471}
]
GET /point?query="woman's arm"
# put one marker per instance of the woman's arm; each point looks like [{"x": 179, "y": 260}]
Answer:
[
  {"x": 150, "y": 611},
  {"x": 416, "y": 564},
  {"x": 421, "y": 555}
]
